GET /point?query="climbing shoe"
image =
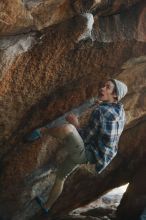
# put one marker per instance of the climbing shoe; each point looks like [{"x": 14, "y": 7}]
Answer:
[
  {"x": 41, "y": 203},
  {"x": 36, "y": 134}
]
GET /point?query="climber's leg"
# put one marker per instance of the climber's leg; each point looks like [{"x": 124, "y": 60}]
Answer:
[
  {"x": 58, "y": 132},
  {"x": 74, "y": 145},
  {"x": 59, "y": 182}
]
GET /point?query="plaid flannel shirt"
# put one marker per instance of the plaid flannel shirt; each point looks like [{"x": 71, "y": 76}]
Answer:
[{"x": 102, "y": 133}]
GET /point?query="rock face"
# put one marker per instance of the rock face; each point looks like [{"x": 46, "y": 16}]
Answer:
[
  {"x": 51, "y": 59},
  {"x": 135, "y": 197}
]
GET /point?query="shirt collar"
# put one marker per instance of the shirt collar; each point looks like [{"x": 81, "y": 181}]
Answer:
[{"x": 111, "y": 103}]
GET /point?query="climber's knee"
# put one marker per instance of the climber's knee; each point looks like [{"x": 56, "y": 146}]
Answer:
[
  {"x": 65, "y": 130},
  {"x": 68, "y": 128}
]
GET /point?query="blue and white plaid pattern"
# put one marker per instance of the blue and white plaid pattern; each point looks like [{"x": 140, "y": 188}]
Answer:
[{"x": 101, "y": 135}]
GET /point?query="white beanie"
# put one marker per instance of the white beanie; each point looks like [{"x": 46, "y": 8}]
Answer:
[{"x": 121, "y": 89}]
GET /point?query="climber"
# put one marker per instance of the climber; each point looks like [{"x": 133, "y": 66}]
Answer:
[{"x": 96, "y": 143}]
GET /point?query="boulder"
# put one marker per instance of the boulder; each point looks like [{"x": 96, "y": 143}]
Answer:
[{"x": 51, "y": 63}]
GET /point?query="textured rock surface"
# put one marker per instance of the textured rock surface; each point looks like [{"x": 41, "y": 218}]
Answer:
[
  {"x": 134, "y": 200},
  {"x": 46, "y": 72},
  {"x": 27, "y": 15}
]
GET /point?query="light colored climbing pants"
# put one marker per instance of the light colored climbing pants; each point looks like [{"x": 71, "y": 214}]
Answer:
[{"x": 74, "y": 145}]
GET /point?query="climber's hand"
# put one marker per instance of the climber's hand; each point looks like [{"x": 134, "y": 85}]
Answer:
[
  {"x": 98, "y": 102},
  {"x": 73, "y": 119}
]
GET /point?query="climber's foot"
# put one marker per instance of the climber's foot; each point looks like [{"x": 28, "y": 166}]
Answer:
[
  {"x": 46, "y": 211},
  {"x": 36, "y": 134}
]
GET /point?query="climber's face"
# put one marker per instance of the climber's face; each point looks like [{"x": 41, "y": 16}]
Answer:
[{"x": 107, "y": 92}]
